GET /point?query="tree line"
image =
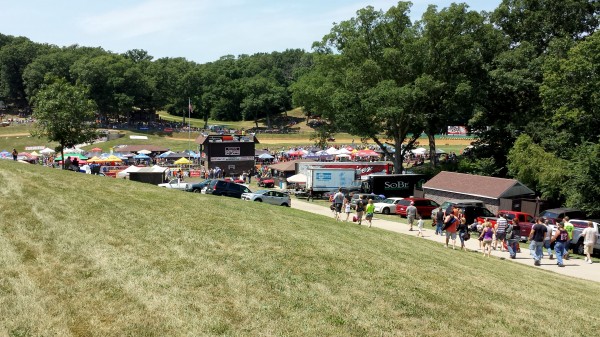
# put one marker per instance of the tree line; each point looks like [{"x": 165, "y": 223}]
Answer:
[
  {"x": 523, "y": 78},
  {"x": 133, "y": 86}
]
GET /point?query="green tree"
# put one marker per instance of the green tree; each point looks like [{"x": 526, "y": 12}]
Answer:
[
  {"x": 64, "y": 114},
  {"x": 363, "y": 79}
]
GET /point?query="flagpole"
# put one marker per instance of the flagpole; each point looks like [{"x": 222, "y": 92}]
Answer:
[{"x": 189, "y": 125}]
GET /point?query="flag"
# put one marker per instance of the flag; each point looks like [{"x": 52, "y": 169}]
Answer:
[{"x": 190, "y": 108}]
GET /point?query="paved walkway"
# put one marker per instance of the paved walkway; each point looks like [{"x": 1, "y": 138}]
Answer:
[{"x": 574, "y": 267}]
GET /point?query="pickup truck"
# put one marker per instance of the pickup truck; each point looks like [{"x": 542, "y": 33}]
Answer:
[
  {"x": 176, "y": 184},
  {"x": 577, "y": 240},
  {"x": 525, "y": 220}
]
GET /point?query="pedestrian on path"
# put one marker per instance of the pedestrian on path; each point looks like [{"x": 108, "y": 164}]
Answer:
[
  {"x": 462, "y": 229},
  {"x": 536, "y": 236},
  {"x": 590, "y": 235},
  {"x": 338, "y": 199},
  {"x": 439, "y": 221},
  {"x": 548, "y": 239},
  {"x": 570, "y": 229},
  {"x": 420, "y": 226},
  {"x": 560, "y": 238},
  {"x": 411, "y": 214},
  {"x": 513, "y": 237},
  {"x": 487, "y": 236},
  {"x": 450, "y": 224},
  {"x": 347, "y": 209},
  {"x": 360, "y": 209},
  {"x": 370, "y": 210}
]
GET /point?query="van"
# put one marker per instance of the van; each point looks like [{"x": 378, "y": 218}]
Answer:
[{"x": 465, "y": 202}]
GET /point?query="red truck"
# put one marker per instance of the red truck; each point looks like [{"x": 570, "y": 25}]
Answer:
[{"x": 525, "y": 220}]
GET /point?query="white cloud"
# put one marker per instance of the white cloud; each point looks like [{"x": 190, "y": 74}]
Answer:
[{"x": 148, "y": 17}]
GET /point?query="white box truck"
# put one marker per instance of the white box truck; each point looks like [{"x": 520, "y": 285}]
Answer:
[{"x": 330, "y": 179}]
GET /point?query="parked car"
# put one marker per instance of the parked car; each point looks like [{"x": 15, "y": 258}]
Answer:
[
  {"x": 387, "y": 206},
  {"x": 266, "y": 182},
  {"x": 376, "y": 198},
  {"x": 557, "y": 214},
  {"x": 526, "y": 221},
  {"x": 471, "y": 202},
  {"x": 197, "y": 187},
  {"x": 269, "y": 197},
  {"x": 225, "y": 188},
  {"x": 176, "y": 184},
  {"x": 424, "y": 206}
]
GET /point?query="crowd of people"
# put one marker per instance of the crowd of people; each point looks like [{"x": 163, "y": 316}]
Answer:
[{"x": 504, "y": 235}]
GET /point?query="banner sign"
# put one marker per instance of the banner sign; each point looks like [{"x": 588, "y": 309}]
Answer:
[
  {"x": 250, "y": 158},
  {"x": 34, "y": 148},
  {"x": 457, "y": 130}
]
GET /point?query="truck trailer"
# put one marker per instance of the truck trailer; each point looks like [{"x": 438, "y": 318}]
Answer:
[{"x": 392, "y": 185}]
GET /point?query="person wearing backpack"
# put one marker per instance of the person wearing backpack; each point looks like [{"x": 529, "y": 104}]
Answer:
[
  {"x": 560, "y": 238},
  {"x": 513, "y": 237}
]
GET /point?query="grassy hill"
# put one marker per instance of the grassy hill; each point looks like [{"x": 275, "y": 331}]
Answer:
[{"x": 93, "y": 256}]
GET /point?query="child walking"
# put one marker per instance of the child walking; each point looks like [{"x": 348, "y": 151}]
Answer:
[
  {"x": 347, "y": 209},
  {"x": 420, "y": 226}
]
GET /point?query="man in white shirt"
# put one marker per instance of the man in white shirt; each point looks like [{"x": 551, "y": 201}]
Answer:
[{"x": 590, "y": 234}]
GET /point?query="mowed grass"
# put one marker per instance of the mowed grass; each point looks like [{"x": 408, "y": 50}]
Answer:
[{"x": 92, "y": 256}]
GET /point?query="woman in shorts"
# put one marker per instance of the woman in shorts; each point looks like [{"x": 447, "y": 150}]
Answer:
[{"x": 487, "y": 234}]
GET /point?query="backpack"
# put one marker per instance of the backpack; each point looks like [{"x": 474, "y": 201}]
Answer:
[
  {"x": 449, "y": 223},
  {"x": 509, "y": 232}
]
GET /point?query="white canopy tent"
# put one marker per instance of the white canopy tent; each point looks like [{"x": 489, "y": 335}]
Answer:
[{"x": 298, "y": 178}]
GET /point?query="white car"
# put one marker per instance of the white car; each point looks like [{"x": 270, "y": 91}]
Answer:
[
  {"x": 387, "y": 206},
  {"x": 270, "y": 197},
  {"x": 176, "y": 184}
]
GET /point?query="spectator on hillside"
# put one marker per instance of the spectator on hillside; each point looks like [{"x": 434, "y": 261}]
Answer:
[{"x": 15, "y": 154}]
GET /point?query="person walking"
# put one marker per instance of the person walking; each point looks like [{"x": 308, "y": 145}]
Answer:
[
  {"x": 310, "y": 196},
  {"x": 548, "y": 240},
  {"x": 513, "y": 237},
  {"x": 420, "y": 226},
  {"x": 536, "y": 236},
  {"x": 338, "y": 200},
  {"x": 450, "y": 225},
  {"x": 411, "y": 214},
  {"x": 590, "y": 235},
  {"x": 500, "y": 231},
  {"x": 560, "y": 238},
  {"x": 462, "y": 229},
  {"x": 360, "y": 209},
  {"x": 370, "y": 210},
  {"x": 570, "y": 229},
  {"x": 487, "y": 235},
  {"x": 439, "y": 221},
  {"x": 347, "y": 208}
]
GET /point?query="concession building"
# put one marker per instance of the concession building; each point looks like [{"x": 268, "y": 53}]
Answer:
[{"x": 233, "y": 154}]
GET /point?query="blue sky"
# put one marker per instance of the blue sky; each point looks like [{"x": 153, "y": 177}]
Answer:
[{"x": 199, "y": 30}]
